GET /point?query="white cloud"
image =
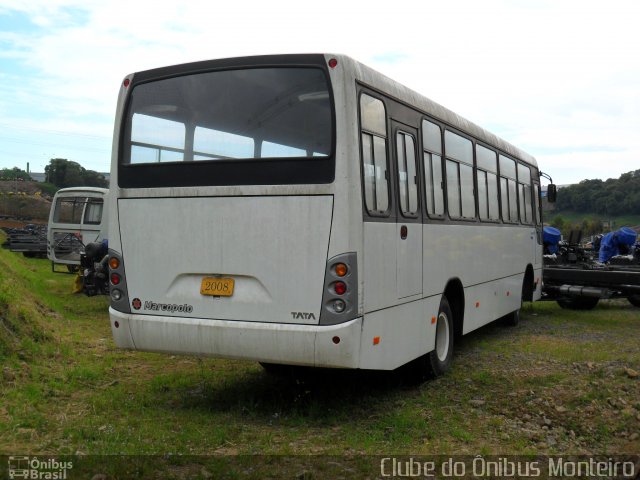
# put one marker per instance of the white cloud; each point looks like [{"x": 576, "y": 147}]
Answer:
[{"x": 551, "y": 77}]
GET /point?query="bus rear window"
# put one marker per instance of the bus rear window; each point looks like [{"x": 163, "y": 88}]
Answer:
[
  {"x": 230, "y": 127},
  {"x": 69, "y": 210}
]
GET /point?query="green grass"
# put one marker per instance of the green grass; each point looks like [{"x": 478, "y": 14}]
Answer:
[
  {"x": 69, "y": 390},
  {"x": 577, "y": 217}
]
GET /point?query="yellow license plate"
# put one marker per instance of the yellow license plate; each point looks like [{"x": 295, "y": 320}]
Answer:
[{"x": 220, "y": 287}]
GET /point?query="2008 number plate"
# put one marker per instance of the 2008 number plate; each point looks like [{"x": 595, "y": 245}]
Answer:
[{"x": 220, "y": 287}]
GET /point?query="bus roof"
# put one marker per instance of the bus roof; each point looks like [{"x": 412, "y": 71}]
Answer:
[
  {"x": 71, "y": 190},
  {"x": 379, "y": 81}
]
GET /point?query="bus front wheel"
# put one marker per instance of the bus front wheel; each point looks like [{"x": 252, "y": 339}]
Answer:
[{"x": 439, "y": 359}]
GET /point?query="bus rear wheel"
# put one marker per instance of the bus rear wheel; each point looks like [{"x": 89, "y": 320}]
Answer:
[
  {"x": 439, "y": 359},
  {"x": 513, "y": 319}
]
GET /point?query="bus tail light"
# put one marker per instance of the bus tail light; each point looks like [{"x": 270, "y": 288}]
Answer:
[
  {"x": 341, "y": 269},
  {"x": 339, "y": 306},
  {"x": 340, "y": 295},
  {"x": 119, "y": 295}
]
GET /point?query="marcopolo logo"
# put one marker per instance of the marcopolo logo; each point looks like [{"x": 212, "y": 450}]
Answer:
[
  {"x": 38, "y": 469},
  {"x": 168, "y": 307},
  {"x": 137, "y": 304}
]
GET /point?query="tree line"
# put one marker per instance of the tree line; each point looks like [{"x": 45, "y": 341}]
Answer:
[
  {"x": 14, "y": 174},
  {"x": 60, "y": 173},
  {"x": 64, "y": 173},
  {"x": 615, "y": 196}
]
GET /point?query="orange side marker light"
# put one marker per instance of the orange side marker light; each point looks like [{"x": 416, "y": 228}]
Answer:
[
  {"x": 433, "y": 320},
  {"x": 376, "y": 340}
]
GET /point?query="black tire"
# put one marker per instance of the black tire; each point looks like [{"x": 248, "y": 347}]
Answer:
[
  {"x": 578, "y": 303},
  {"x": 512, "y": 319},
  {"x": 276, "y": 369},
  {"x": 634, "y": 300},
  {"x": 439, "y": 359}
]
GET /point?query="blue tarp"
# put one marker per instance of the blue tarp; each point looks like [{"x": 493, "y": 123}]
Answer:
[
  {"x": 612, "y": 241},
  {"x": 551, "y": 236}
]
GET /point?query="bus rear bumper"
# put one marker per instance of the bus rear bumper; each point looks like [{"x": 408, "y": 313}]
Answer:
[{"x": 335, "y": 346}]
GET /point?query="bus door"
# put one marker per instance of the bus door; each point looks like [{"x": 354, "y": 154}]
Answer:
[{"x": 409, "y": 216}]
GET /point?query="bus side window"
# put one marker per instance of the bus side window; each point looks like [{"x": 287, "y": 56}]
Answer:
[
  {"x": 374, "y": 154},
  {"x": 508, "y": 189},
  {"x": 536, "y": 192},
  {"x": 460, "y": 192},
  {"x": 408, "y": 181},
  {"x": 524, "y": 191},
  {"x": 432, "y": 157},
  {"x": 487, "y": 176}
]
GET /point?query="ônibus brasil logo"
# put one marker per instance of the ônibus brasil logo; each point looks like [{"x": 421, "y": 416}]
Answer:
[{"x": 36, "y": 468}]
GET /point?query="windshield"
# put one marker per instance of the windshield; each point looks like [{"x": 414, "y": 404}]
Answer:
[{"x": 230, "y": 117}]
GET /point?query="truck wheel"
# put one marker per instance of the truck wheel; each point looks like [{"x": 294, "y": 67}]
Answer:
[
  {"x": 578, "y": 303},
  {"x": 634, "y": 300}
]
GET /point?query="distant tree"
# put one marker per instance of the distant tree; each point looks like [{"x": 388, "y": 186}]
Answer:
[
  {"x": 65, "y": 173},
  {"x": 14, "y": 173},
  {"x": 94, "y": 179},
  {"x": 612, "y": 197},
  {"x": 56, "y": 171}
]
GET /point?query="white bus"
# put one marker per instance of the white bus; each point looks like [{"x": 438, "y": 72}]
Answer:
[
  {"x": 77, "y": 217},
  {"x": 308, "y": 210}
]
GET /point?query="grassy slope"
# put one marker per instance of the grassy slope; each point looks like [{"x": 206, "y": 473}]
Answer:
[{"x": 554, "y": 384}]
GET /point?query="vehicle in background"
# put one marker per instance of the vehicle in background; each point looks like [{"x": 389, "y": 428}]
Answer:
[
  {"x": 578, "y": 277},
  {"x": 31, "y": 240},
  {"x": 77, "y": 217}
]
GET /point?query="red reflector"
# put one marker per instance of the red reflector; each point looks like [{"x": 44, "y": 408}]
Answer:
[
  {"x": 336, "y": 340},
  {"x": 126, "y": 82},
  {"x": 340, "y": 288},
  {"x": 333, "y": 63},
  {"x": 115, "y": 278},
  {"x": 116, "y": 324}
]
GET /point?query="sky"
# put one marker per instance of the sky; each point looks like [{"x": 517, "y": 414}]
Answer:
[{"x": 559, "y": 79}]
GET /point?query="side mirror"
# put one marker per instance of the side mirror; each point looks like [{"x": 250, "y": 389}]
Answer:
[{"x": 552, "y": 193}]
